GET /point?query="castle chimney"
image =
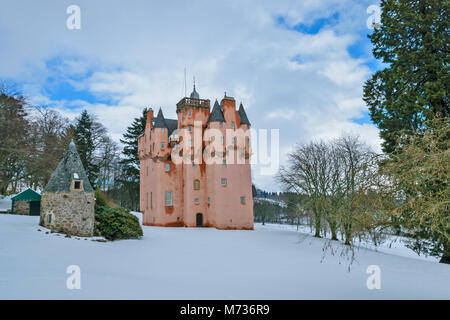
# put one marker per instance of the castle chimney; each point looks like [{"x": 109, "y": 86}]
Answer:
[
  {"x": 149, "y": 117},
  {"x": 228, "y": 108}
]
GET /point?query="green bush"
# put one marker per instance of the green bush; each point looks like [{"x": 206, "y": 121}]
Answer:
[
  {"x": 116, "y": 223},
  {"x": 100, "y": 198}
]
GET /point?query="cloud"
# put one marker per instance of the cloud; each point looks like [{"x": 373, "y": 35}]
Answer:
[{"x": 129, "y": 55}]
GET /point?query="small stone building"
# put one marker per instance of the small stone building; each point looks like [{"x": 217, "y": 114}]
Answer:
[
  {"x": 27, "y": 202},
  {"x": 67, "y": 204}
]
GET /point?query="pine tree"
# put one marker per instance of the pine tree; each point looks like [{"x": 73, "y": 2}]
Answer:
[
  {"x": 89, "y": 135},
  {"x": 130, "y": 162},
  {"x": 413, "y": 42}
]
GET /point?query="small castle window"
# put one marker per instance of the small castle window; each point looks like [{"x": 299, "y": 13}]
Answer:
[
  {"x": 49, "y": 218},
  {"x": 163, "y": 145},
  {"x": 233, "y": 140},
  {"x": 232, "y": 125},
  {"x": 168, "y": 198},
  {"x": 224, "y": 163},
  {"x": 162, "y": 129},
  {"x": 196, "y": 184},
  {"x": 197, "y": 201},
  {"x": 209, "y": 200},
  {"x": 189, "y": 128},
  {"x": 167, "y": 166},
  {"x": 190, "y": 113},
  {"x": 243, "y": 199},
  {"x": 223, "y": 181},
  {"x": 221, "y": 124}
]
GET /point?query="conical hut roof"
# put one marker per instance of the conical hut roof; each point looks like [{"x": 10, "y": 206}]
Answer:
[{"x": 69, "y": 168}]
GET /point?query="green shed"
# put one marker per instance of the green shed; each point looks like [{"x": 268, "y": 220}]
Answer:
[{"x": 27, "y": 202}]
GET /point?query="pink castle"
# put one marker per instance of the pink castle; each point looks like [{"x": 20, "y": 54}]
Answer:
[{"x": 195, "y": 171}]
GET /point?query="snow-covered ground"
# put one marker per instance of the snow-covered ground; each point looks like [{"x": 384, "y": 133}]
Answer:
[
  {"x": 5, "y": 203},
  {"x": 203, "y": 263}
]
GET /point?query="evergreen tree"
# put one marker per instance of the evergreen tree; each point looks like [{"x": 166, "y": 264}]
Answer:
[
  {"x": 130, "y": 161},
  {"x": 89, "y": 136},
  {"x": 413, "y": 43}
]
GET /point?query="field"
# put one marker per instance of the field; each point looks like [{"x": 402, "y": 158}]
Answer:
[{"x": 270, "y": 262}]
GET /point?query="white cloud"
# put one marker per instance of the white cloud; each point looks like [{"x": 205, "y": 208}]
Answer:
[{"x": 136, "y": 53}]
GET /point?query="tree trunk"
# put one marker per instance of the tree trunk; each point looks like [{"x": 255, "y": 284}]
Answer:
[
  {"x": 317, "y": 226},
  {"x": 446, "y": 255}
]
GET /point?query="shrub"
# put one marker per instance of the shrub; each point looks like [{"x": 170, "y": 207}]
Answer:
[
  {"x": 116, "y": 223},
  {"x": 100, "y": 198}
]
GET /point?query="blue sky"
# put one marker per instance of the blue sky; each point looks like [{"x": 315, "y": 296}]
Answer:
[{"x": 297, "y": 66}]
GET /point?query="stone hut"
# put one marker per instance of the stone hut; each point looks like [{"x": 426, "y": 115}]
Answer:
[{"x": 67, "y": 203}]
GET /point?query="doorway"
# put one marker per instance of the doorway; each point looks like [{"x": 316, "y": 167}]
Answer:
[{"x": 199, "y": 220}]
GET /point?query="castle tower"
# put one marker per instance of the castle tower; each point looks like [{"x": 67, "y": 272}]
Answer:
[
  {"x": 192, "y": 192},
  {"x": 68, "y": 201}
]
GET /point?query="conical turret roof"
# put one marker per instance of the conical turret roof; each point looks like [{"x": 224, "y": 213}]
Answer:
[
  {"x": 216, "y": 113},
  {"x": 69, "y": 168},
  {"x": 243, "y": 115},
  {"x": 160, "y": 122}
]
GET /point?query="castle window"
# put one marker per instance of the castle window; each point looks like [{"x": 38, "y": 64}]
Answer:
[
  {"x": 147, "y": 170},
  {"x": 196, "y": 184},
  {"x": 197, "y": 201},
  {"x": 77, "y": 185},
  {"x": 190, "y": 113},
  {"x": 168, "y": 199},
  {"x": 146, "y": 200},
  {"x": 221, "y": 124},
  {"x": 189, "y": 128},
  {"x": 162, "y": 129},
  {"x": 233, "y": 140},
  {"x": 209, "y": 200},
  {"x": 49, "y": 218},
  {"x": 221, "y": 140},
  {"x": 167, "y": 167},
  {"x": 232, "y": 125},
  {"x": 163, "y": 145},
  {"x": 243, "y": 199},
  {"x": 224, "y": 163},
  {"x": 223, "y": 181}
]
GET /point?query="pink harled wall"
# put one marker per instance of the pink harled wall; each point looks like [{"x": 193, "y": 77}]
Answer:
[{"x": 220, "y": 206}]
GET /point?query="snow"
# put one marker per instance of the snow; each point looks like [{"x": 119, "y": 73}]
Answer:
[
  {"x": 5, "y": 203},
  {"x": 203, "y": 263},
  {"x": 138, "y": 215}
]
